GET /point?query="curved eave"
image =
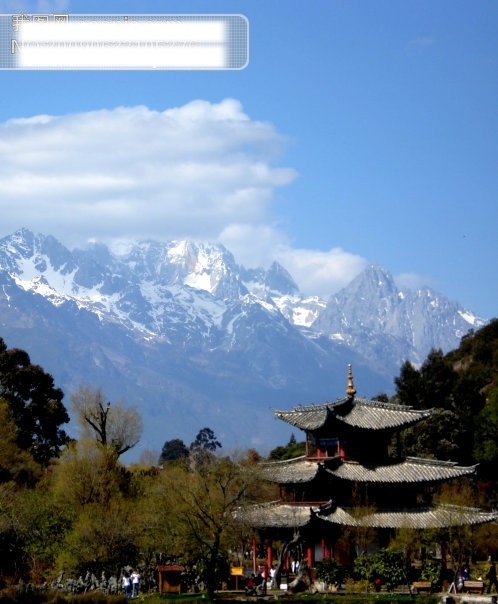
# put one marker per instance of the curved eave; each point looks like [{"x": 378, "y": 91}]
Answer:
[
  {"x": 374, "y": 415},
  {"x": 311, "y": 417},
  {"x": 291, "y": 471},
  {"x": 280, "y": 515},
  {"x": 411, "y": 471},
  {"x": 437, "y": 517},
  {"x": 275, "y": 515},
  {"x": 360, "y": 413}
]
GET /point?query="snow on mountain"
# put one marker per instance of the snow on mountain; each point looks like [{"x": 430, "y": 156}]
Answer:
[
  {"x": 193, "y": 339},
  {"x": 391, "y": 325}
]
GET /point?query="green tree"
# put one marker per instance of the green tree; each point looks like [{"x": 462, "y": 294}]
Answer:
[
  {"x": 41, "y": 525},
  {"x": 205, "y": 441},
  {"x": 102, "y": 498},
  {"x": 289, "y": 451},
  {"x": 486, "y": 446},
  {"x": 88, "y": 473},
  {"x": 32, "y": 529},
  {"x": 454, "y": 398},
  {"x": 173, "y": 450},
  {"x": 408, "y": 386},
  {"x": 438, "y": 380},
  {"x": 115, "y": 427},
  {"x": 15, "y": 464},
  {"x": 102, "y": 539},
  {"x": 203, "y": 526},
  {"x": 36, "y": 405}
]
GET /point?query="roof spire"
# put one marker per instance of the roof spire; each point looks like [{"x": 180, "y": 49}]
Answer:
[{"x": 350, "y": 391}]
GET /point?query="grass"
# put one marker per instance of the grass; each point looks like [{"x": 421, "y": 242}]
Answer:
[
  {"x": 308, "y": 598},
  {"x": 12, "y": 596}
]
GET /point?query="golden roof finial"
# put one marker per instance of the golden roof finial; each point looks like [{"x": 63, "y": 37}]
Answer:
[{"x": 350, "y": 389}]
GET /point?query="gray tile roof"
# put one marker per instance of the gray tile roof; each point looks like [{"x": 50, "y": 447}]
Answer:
[
  {"x": 412, "y": 470},
  {"x": 281, "y": 515},
  {"x": 275, "y": 514},
  {"x": 438, "y": 517},
  {"x": 362, "y": 413},
  {"x": 291, "y": 471}
]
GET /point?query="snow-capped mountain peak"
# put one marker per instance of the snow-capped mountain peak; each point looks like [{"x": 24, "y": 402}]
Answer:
[
  {"x": 192, "y": 337},
  {"x": 373, "y": 314}
]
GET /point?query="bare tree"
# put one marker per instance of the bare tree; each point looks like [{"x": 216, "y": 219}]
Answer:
[{"x": 115, "y": 427}]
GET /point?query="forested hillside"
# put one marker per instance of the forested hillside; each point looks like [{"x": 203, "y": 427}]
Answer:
[{"x": 462, "y": 388}]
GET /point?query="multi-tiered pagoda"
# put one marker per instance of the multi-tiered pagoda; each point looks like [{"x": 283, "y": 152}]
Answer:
[{"x": 353, "y": 475}]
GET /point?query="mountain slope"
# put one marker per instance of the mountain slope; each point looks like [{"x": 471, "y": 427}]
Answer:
[
  {"x": 390, "y": 325},
  {"x": 195, "y": 340}
]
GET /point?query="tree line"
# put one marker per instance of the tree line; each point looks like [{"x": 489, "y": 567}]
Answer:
[{"x": 72, "y": 505}]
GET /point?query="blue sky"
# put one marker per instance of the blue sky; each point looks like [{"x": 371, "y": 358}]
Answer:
[{"x": 360, "y": 132}]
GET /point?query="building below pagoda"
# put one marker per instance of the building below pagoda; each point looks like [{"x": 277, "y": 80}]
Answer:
[{"x": 354, "y": 478}]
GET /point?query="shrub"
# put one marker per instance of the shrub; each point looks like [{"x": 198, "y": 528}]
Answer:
[
  {"x": 387, "y": 564},
  {"x": 329, "y": 571}
]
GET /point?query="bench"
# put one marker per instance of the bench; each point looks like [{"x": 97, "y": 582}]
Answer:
[
  {"x": 473, "y": 587},
  {"x": 418, "y": 586}
]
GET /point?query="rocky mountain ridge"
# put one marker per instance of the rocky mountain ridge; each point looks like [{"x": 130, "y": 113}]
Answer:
[{"x": 195, "y": 339}]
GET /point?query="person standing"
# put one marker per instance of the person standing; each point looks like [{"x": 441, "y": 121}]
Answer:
[
  {"x": 126, "y": 585},
  {"x": 272, "y": 576},
  {"x": 491, "y": 577},
  {"x": 135, "y": 583}
]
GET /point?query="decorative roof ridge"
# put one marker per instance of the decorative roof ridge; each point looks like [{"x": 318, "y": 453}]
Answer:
[
  {"x": 393, "y": 510},
  {"x": 329, "y": 406},
  {"x": 422, "y": 509},
  {"x": 461, "y": 508},
  {"x": 276, "y": 504},
  {"x": 263, "y": 506},
  {"x": 421, "y": 461},
  {"x": 284, "y": 462},
  {"x": 393, "y": 406},
  {"x": 311, "y": 407},
  {"x": 438, "y": 462},
  {"x": 412, "y": 461}
]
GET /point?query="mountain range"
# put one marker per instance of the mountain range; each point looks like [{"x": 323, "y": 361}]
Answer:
[{"x": 195, "y": 340}]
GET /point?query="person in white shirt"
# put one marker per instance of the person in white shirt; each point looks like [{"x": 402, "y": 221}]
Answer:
[
  {"x": 126, "y": 586},
  {"x": 135, "y": 582}
]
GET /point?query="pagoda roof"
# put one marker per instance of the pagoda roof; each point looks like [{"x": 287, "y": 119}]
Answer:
[
  {"x": 355, "y": 412},
  {"x": 290, "y": 471},
  {"x": 282, "y": 515},
  {"x": 413, "y": 470},
  {"x": 276, "y": 515},
  {"x": 441, "y": 516},
  {"x": 410, "y": 471}
]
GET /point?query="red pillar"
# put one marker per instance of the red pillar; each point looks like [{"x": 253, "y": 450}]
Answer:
[
  {"x": 269, "y": 553},
  {"x": 326, "y": 549},
  {"x": 254, "y": 556},
  {"x": 309, "y": 555}
]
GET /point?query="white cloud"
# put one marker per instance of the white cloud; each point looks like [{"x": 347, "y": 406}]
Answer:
[
  {"x": 201, "y": 171},
  {"x": 322, "y": 273},
  {"x": 316, "y": 272},
  {"x": 132, "y": 171}
]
